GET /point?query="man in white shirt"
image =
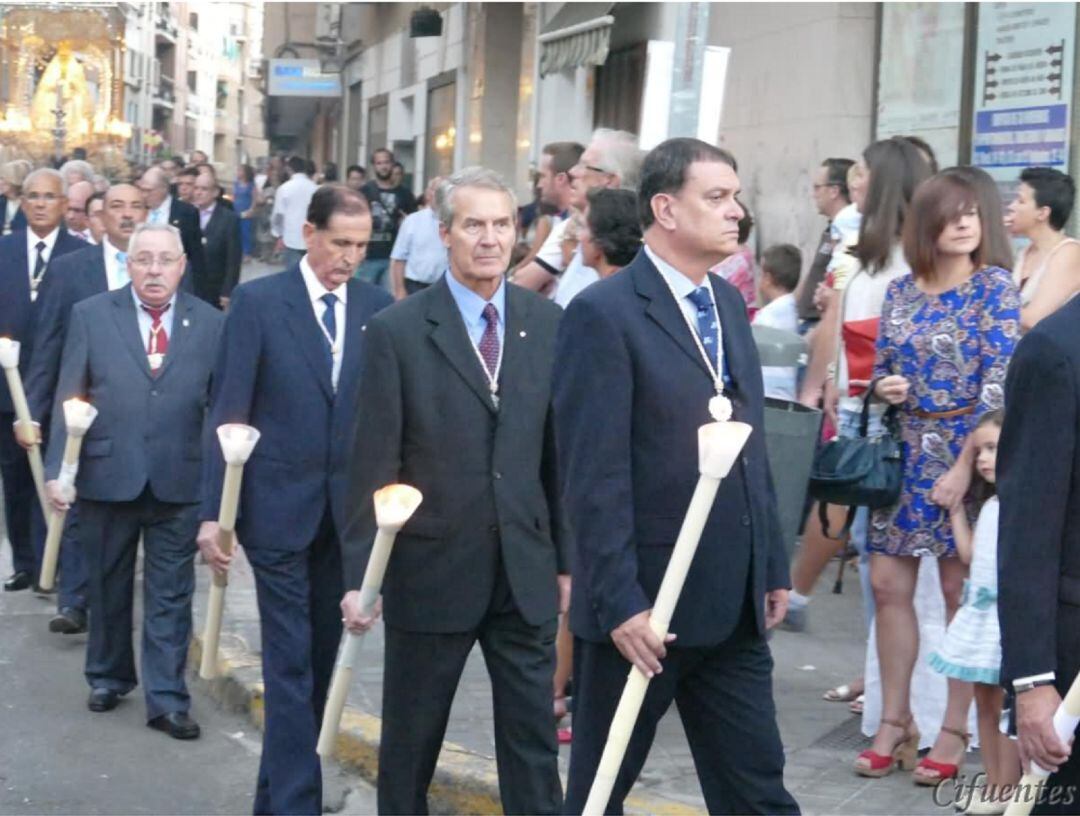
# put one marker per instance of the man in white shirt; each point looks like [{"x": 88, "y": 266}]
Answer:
[
  {"x": 290, "y": 211},
  {"x": 612, "y": 159},
  {"x": 419, "y": 257},
  {"x": 25, "y": 256},
  {"x": 780, "y": 267},
  {"x": 75, "y": 217},
  {"x": 553, "y": 180}
]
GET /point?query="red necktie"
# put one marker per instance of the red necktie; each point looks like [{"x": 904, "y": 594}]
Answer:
[{"x": 157, "y": 345}]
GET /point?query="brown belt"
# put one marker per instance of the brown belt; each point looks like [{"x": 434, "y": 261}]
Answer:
[{"x": 967, "y": 409}]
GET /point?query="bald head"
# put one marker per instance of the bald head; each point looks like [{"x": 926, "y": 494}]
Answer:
[
  {"x": 154, "y": 185},
  {"x": 75, "y": 217}
]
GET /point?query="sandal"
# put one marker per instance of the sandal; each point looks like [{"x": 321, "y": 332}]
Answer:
[
  {"x": 856, "y": 705},
  {"x": 930, "y": 772},
  {"x": 841, "y": 694},
  {"x": 904, "y": 753}
]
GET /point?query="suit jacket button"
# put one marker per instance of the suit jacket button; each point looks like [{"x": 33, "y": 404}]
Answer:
[
  {"x": 494, "y": 528},
  {"x": 497, "y": 474},
  {"x": 746, "y": 461},
  {"x": 153, "y": 393},
  {"x": 745, "y": 521}
]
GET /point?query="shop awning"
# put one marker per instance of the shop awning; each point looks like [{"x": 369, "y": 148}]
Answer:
[{"x": 577, "y": 35}]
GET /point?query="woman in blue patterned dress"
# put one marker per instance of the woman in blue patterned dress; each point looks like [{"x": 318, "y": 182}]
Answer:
[{"x": 947, "y": 333}]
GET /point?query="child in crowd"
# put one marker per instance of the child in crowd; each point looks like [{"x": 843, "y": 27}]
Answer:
[
  {"x": 780, "y": 266},
  {"x": 972, "y": 648}
]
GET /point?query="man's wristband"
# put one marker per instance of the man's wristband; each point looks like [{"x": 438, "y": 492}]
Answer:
[{"x": 1029, "y": 683}]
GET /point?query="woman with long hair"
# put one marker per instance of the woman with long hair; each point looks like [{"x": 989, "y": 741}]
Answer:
[
  {"x": 245, "y": 199},
  {"x": 881, "y": 183},
  {"x": 947, "y": 332}
]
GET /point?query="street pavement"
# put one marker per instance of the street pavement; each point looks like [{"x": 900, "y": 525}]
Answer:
[{"x": 61, "y": 758}]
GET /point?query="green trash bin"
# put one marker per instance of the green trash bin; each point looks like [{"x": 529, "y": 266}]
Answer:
[{"x": 791, "y": 433}]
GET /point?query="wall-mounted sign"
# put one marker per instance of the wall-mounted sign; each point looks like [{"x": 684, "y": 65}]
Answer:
[
  {"x": 301, "y": 77},
  {"x": 1023, "y": 87}
]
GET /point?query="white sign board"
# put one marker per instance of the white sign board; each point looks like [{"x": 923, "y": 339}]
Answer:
[
  {"x": 301, "y": 77},
  {"x": 919, "y": 73},
  {"x": 1023, "y": 88}
]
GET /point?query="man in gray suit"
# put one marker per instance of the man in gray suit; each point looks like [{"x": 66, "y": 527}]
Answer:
[
  {"x": 142, "y": 355},
  {"x": 455, "y": 399}
]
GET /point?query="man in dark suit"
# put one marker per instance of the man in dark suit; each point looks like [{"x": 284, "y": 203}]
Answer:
[
  {"x": 220, "y": 228},
  {"x": 288, "y": 366},
  {"x": 455, "y": 400},
  {"x": 163, "y": 208},
  {"x": 640, "y": 355},
  {"x": 25, "y": 255},
  {"x": 142, "y": 355},
  {"x": 70, "y": 280},
  {"x": 1038, "y": 482}
]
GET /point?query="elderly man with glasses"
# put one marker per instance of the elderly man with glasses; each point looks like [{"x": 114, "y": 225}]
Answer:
[
  {"x": 142, "y": 355},
  {"x": 612, "y": 159}
]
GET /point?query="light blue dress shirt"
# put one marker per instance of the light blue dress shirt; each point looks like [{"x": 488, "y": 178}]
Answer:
[{"x": 471, "y": 306}]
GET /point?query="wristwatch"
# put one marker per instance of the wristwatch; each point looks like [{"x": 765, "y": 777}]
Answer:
[{"x": 1029, "y": 683}]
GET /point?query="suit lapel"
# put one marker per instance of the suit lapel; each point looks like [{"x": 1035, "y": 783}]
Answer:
[
  {"x": 355, "y": 320},
  {"x": 300, "y": 319},
  {"x": 450, "y": 336},
  {"x": 515, "y": 365},
  {"x": 725, "y": 308},
  {"x": 181, "y": 328},
  {"x": 663, "y": 310},
  {"x": 127, "y": 322}
]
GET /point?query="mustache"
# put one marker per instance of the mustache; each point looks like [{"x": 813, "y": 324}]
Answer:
[{"x": 127, "y": 223}]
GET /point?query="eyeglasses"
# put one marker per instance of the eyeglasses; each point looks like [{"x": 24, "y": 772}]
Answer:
[
  {"x": 48, "y": 198},
  {"x": 147, "y": 261},
  {"x": 819, "y": 186}
]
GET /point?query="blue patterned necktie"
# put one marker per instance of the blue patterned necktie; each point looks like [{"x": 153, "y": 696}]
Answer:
[
  {"x": 706, "y": 321},
  {"x": 329, "y": 320}
]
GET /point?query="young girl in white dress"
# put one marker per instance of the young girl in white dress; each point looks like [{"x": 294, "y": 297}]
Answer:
[{"x": 972, "y": 648}]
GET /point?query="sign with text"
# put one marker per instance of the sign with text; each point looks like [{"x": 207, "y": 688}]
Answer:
[
  {"x": 1023, "y": 88},
  {"x": 301, "y": 77}
]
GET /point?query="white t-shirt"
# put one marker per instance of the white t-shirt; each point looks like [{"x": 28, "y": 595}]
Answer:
[
  {"x": 781, "y": 313},
  {"x": 575, "y": 279}
]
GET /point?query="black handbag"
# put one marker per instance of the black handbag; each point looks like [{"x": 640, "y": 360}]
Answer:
[{"x": 859, "y": 472}]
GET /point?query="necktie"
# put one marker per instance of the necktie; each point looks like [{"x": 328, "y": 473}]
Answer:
[
  {"x": 329, "y": 320},
  {"x": 157, "y": 344},
  {"x": 489, "y": 341},
  {"x": 706, "y": 320},
  {"x": 39, "y": 264}
]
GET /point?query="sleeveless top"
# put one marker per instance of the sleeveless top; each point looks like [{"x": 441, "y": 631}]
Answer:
[{"x": 1027, "y": 288}]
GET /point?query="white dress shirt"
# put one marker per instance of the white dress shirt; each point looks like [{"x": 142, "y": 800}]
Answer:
[
  {"x": 316, "y": 290},
  {"x": 683, "y": 286},
  {"x": 116, "y": 275},
  {"x": 32, "y": 240},
  {"x": 291, "y": 202},
  {"x": 418, "y": 244}
]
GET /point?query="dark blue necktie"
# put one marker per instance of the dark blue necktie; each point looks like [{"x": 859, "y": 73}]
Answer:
[
  {"x": 706, "y": 321},
  {"x": 329, "y": 320},
  {"x": 39, "y": 264}
]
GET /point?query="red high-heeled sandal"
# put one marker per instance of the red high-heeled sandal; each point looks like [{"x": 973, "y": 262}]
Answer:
[
  {"x": 904, "y": 753},
  {"x": 929, "y": 771}
]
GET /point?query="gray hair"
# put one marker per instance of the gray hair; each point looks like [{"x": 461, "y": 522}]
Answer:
[
  {"x": 83, "y": 168},
  {"x": 145, "y": 228},
  {"x": 43, "y": 172},
  {"x": 480, "y": 177},
  {"x": 620, "y": 155}
]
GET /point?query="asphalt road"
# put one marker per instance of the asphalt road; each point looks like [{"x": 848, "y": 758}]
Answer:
[{"x": 57, "y": 757}]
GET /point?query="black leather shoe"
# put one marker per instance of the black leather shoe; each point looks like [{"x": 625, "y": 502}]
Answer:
[
  {"x": 102, "y": 699},
  {"x": 17, "y": 582},
  {"x": 177, "y": 724},
  {"x": 68, "y": 621}
]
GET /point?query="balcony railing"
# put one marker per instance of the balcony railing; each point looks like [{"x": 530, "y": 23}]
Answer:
[{"x": 166, "y": 25}]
